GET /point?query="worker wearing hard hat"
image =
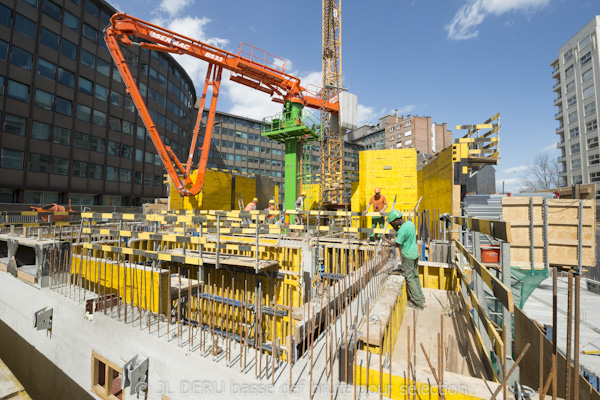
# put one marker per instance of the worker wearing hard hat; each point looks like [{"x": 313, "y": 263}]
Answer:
[
  {"x": 406, "y": 239},
  {"x": 250, "y": 207},
  {"x": 271, "y": 217},
  {"x": 299, "y": 206},
  {"x": 379, "y": 203}
]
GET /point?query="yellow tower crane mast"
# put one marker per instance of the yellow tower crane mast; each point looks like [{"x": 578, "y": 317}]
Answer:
[{"x": 332, "y": 142}]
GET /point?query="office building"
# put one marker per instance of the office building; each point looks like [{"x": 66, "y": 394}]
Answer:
[
  {"x": 69, "y": 129},
  {"x": 576, "y": 73}
]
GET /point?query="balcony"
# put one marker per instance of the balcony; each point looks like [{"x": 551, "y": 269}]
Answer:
[
  {"x": 558, "y": 100},
  {"x": 560, "y": 144},
  {"x": 558, "y": 114},
  {"x": 560, "y": 129},
  {"x": 556, "y": 85},
  {"x": 556, "y": 72}
]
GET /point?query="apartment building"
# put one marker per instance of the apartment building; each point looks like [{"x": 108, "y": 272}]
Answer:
[
  {"x": 577, "y": 72},
  {"x": 69, "y": 130},
  {"x": 416, "y": 132}
]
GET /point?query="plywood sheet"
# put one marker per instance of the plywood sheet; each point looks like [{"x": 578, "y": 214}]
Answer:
[{"x": 562, "y": 231}]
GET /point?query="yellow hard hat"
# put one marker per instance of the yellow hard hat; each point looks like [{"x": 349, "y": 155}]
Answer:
[
  {"x": 303, "y": 194},
  {"x": 255, "y": 200},
  {"x": 271, "y": 201}
]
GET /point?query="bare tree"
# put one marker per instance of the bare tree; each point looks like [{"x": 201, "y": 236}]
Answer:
[{"x": 543, "y": 174}]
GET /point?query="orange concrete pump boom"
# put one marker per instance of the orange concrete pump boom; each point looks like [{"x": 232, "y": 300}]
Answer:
[{"x": 251, "y": 67}]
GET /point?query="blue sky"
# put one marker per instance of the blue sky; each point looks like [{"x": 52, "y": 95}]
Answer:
[{"x": 458, "y": 61}]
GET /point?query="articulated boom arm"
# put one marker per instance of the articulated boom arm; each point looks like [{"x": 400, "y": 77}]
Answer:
[{"x": 250, "y": 68}]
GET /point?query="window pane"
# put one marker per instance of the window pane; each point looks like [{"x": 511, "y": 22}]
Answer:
[
  {"x": 115, "y": 124},
  {"x": 3, "y": 50},
  {"x": 88, "y": 59},
  {"x": 61, "y": 136},
  {"x": 5, "y": 15},
  {"x": 59, "y": 166},
  {"x": 11, "y": 159},
  {"x": 114, "y": 149},
  {"x": 148, "y": 179},
  {"x": 125, "y": 175},
  {"x": 90, "y": 33},
  {"x": 103, "y": 67},
  {"x": 52, "y": 10},
  {"x": 49, "y": 38},
  {"x": 15, "y": 124},
  {"x": 95, "y": 171},
  {"x": 86, "y": 86},
  {"x": 112, "y": 173},
  {"x": 127, "y": 128},
  {"x": 101, "y": 93},
  {"x": 68, "y": 49},
  {"x": 66, "y": 77},
  {"x": 71, "y": 21},
  {"x": 38, "y": 162},
  {"x": 24, "y": 25},
  {"x": 99, "y": 118},
  {"x": 92, "y": 8},
  {"x": 588, "y": 92},
  {"x": 46, "y": 69},
  {"x": 79, "y": 169},
  {"x": 104, "y": 17},
  {"x": 43, "y": 99},
  {"x": 40, "y": 130},
  {"x": 84, "y": 113},
  {"x": 18, "y": 91},
  {"x": 116, "y": 99},
  {"x": 81, "y": 140},
  {"x": 126, "y": 151},
  {"x": 21, "y": 58},
  {"x": 64, "y": 106},
  {"x": 97, "y": 145}
]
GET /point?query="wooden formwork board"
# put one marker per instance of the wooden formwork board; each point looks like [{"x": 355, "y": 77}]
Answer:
[{"x": 562, "y": 232}]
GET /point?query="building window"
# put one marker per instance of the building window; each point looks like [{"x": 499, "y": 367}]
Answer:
[
  {"x": 95, "y": 171},
  {"x": 46, "y": 69},
  {"x": 595, "y": 177},
  {"x": 15, "y": 124},
  {"x": 584, "y": 42},
  {"x": 408, "y": 142},
  {"x": 125, "y": 175},
  {"x": 586, "y": 58},
  {"x": 570, "y": 86},
  {"x": 65, "y": 77},
  {"x": 3, "y": 50},
  {"x": 114, "y": 123},
  {"x": 594, "y": 159},
  {"x": 90, "y": 33},
  {"x": 126, "y": 151},
  {"x": 103, "y": 67},
  {"x": 24, "y": 25},
  {"x": 573, "y": 117},
  {"x": 86, "y": 86},
  {"x": 43, "y": 99},
  {"x": 127, "y": 128},
  {"x": 568, "y": 55},
  {"x": 71, "y": 21},
  {"x": 587, "y": 75},
  {"x": 588, "y": 92},
  {"x": 68, "y": 49},
  {"x": 408, "y": 133},
  {"x": 591, "y": 125},
  {"x": 577, "y": 179},
  {"x": 569, "y": 71},
  {"x": 38, "y": 162},
  {"x": 5, "y": 15},
  {"x": 59, "y": 166},
  {"x": 575, "y": 148},
  {"x": 99, "y": 118},
  {"x": 592, "y": 143},
  {"x": 590, "y": 108},
  {"x": 40, "y": 130},
  {"x": 571, "y": 101},
  {"x": 79, "y": 169},
  {"x": 112, "y": 173},
  {"x": 114, "y": 148},
  {"x": 149, "y": 159},
  {"x": 138, "y": 178},
  {"x": 392, "y": 129},
  {"x": 18, "y": 91},
  {"x": 88, "y": 59},
  {"x": 61, "y": 136},
  {"x": 576, "y": 163},
  {"x": 49, "y": 39},
  {"x": 21, "y": 58},
  {"x": 64, "y": 106},
  {"x": 11, "y": 159},
  {"x": 573, "y": 133},
  {"x": 84, "y": 113},
  {"x": 81, "y": 140},
  {"x": 148, "y": 179},
  {"x": 52, "y": 10}
]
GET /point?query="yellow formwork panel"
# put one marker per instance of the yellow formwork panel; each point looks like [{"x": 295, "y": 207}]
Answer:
[
  {"x": 135, "y": 284},
  {"x": 245, "y": 188},
  {"x": 215, "y": 195},
  {"x": 394, "y": 172}
]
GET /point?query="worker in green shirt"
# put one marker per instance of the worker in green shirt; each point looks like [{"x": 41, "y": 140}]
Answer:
[{"x": 406, "y": 239}]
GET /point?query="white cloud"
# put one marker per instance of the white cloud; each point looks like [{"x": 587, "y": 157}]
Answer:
[
  {"x": 174, "y": 6},
  {"x": 405, "y": 110},
  {"x": 550, "y": 147},
  {"x": 517, "y": 169},
  {"x": 116, "y": 5},
  {"x": 366, "y": 114},
  {"x": 473, "y": 13}
]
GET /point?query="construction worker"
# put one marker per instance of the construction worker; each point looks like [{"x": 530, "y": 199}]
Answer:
[
  {"x": 406, "y": 239},
  {"x": 379, "y": 203},
  {"x": 271, "y": 217},
  {"x": 250, "y": 207},
  {"x": 299, "y": 206}
]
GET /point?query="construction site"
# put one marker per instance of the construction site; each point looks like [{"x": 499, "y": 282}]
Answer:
[{"x": 196, "y": 296}]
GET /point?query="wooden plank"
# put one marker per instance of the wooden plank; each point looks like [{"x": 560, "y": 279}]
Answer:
[
  {"x": 500, "y": 230},
  {"x": 500, "y": 291},
  {"x": 381, "y": 310}
]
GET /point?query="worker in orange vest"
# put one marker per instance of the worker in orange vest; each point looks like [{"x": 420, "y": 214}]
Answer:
[
  {"x": 272, "y": 207},
  {"x": 250, "y": 207},
  {"x": 379, "y": 203}
]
